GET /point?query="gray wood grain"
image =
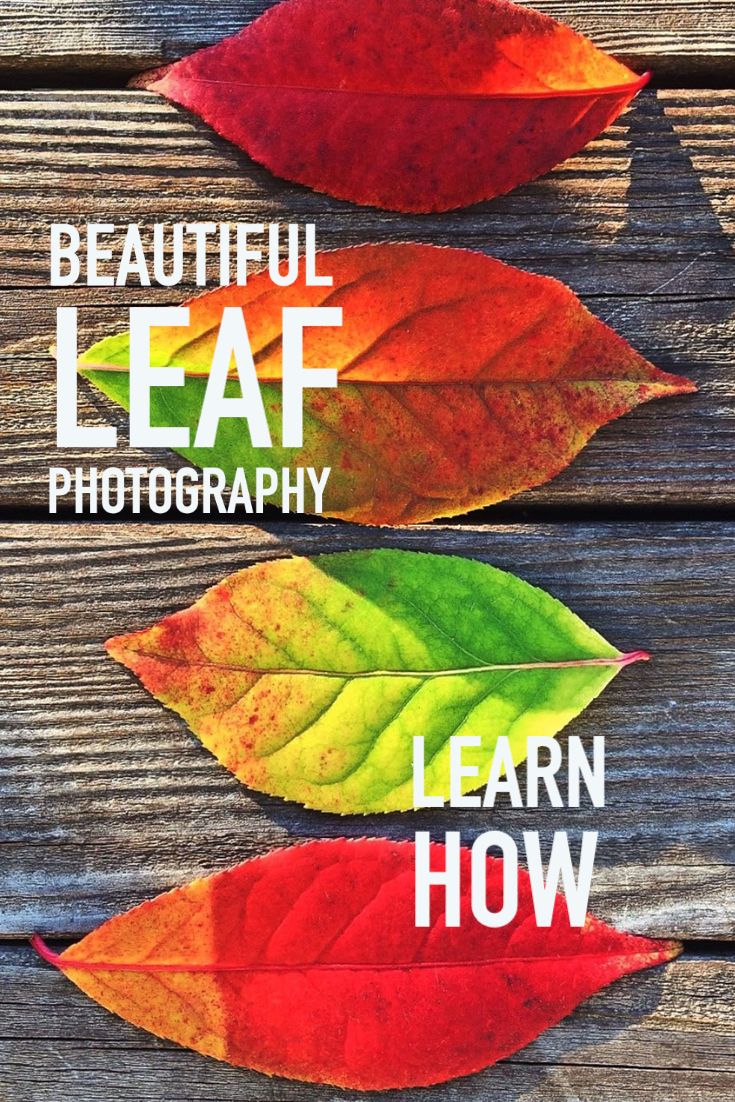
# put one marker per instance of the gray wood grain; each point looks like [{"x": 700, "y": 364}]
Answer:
[
  {"x": 108, "y": 798},
  {"x": 640, "y": 225},
  {"x": 667, "y": 1034},
  {"x": 648, "y": 208},
  {"x": 673, "y": 37}
]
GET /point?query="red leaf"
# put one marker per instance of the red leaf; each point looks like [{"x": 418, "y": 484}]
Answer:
[
  {"x": 413, "y": 105},
  {"x": 307, "y": 964}
]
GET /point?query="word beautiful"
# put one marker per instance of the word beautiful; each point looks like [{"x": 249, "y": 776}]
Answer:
[
  {"x": 104, "y": 255},
  {"x": 502, "y": 777},
  {"x": 297, "y": 490}
]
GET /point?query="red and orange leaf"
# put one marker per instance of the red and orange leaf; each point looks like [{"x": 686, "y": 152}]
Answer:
[
  {"x": 307, "y": 964},
  {"x": 462, "y": 380},
  {"x": 411, "y": 105}
]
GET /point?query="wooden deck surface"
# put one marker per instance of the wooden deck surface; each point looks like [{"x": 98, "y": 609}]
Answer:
[{"x": 106, "y": 798}]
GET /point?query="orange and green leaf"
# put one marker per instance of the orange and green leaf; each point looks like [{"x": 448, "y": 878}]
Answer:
[{"x": 462, "y": 380}]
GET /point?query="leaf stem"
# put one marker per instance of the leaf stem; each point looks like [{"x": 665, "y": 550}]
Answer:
[{"x": 621, "y": 661}]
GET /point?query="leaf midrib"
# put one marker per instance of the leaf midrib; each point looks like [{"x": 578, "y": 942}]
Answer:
[
  {"x": 636, "y": 83},
  {"x": 296, "y": 966},
  {"x": 344, "y": 675},
  {"x": 670, "y": 383}
]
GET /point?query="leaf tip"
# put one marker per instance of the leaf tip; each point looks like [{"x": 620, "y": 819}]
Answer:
[
  {"x": 116, "y": 647},
  {"x": 665, "y": 385},
  {"x": 119, "y": 648},
  {"x": 144, "y": 81},
  {"x": 682, "y": 385},
  {"x": 669, "y": 950}
]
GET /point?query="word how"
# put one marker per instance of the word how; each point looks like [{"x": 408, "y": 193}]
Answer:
[{"x": 544, "y": 887}]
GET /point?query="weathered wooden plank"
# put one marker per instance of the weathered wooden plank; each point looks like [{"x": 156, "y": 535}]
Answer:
[
  {"x": 649, "y": 208},
  {"x": 674, "y": 1023},
  {"x": 667, "y": 453},
  {"x": 672, "y": 37},
  {"x": 107, "y": 798},
  {"x": 640, "y": 225}
]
